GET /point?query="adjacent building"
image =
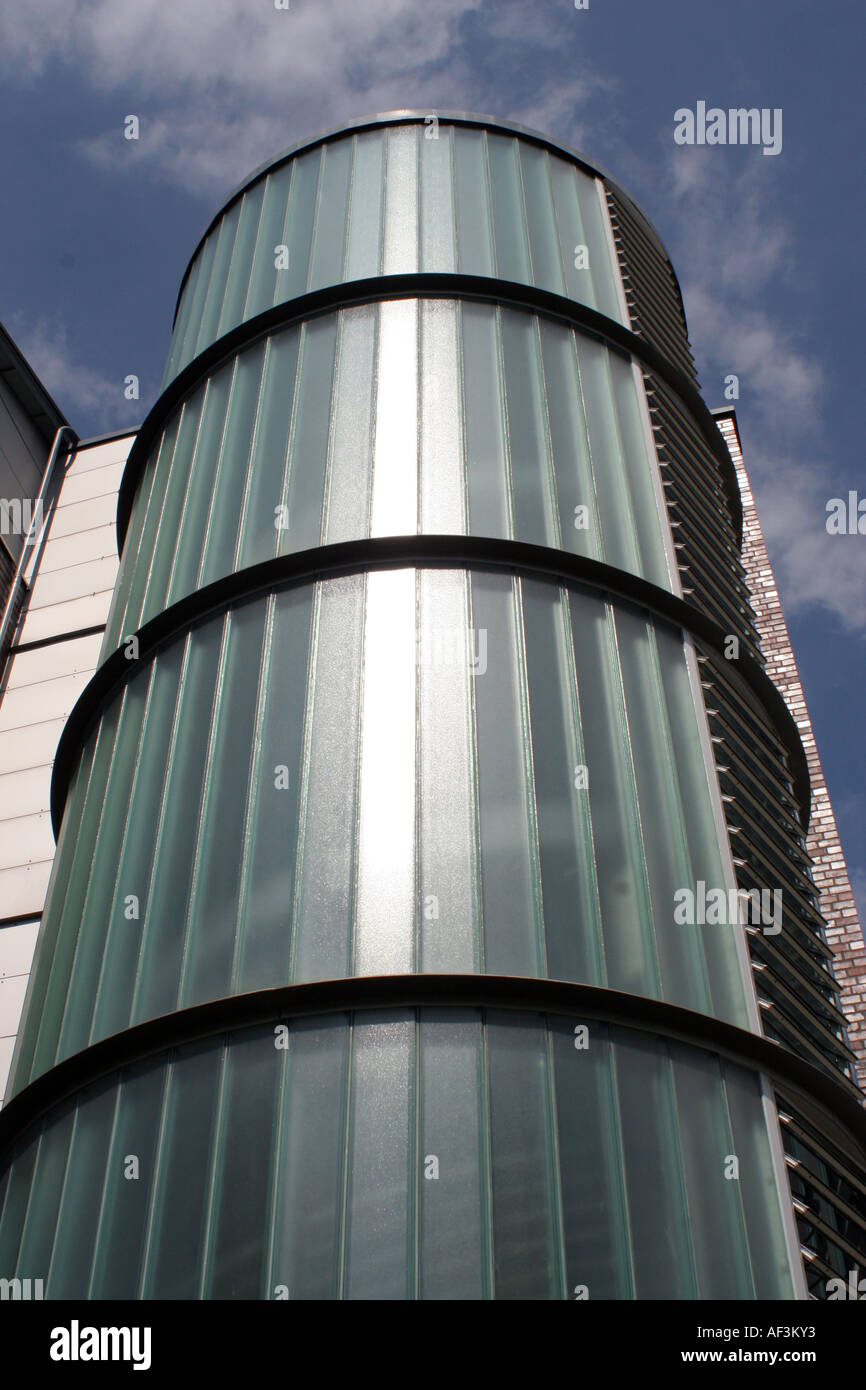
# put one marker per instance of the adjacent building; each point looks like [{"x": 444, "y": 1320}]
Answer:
[{"x": 441, "y": 905}]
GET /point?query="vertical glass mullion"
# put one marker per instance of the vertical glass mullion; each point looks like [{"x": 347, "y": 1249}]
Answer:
[
  {"x": 571, "y": 917},
  {"x": 573, "y": 478},
  {"x": 181, "y": 323},
  {"x": 121, "y": 1234},
  {"x": 269, "y": 234},
  {"x": 177, "y": 1230},
  {"x": 35, "y": 1189},
  {"x": 757, "y": 1183},
  {"x": 534, "y": 505},
  {"x": 298, "y": 227},
  {"x": 544, "y": 246},
  {"x": 128, "y": 619},
  {"x": 104, "y": 908},
  {"x": 615, "y": 506},
  {"x": 639, "y": 466},
  {"x": 525, "y": 1241},
  {"x": 240, "y": 271},
  {"x": 113, "y": 993},
  {"x": 601, "y": 267},
  {"x": 594, "y": 1218},
  {"x": 258, "y": 537},
  {"x": 209, "y": 327},
  {"x": 232, "y": 468},
  {"x": 570, "y": 229},
  {"x": 324, "y": 899},
  {"x": 72, "y": 1249},
  {"x": 174, "y": 488},
  {"x": 438, "y": 226},
  {"x": 662, "y": 1253},
  {"x": 722, "y": 1262},
  {"x": 541, "y": 967},
  {"x": 509, "y": 213},
  {"x": 128, "y": 558},
  {"x": 705, "y": 859},
  {"x": 244, "y": 1154},
  {"x": 346, "y": 510},
  {"x": 386, "y": 895},
  {"x": 448, "y": 665},
  {"x": 168, "y": 907},
  {"x": 46, "y": 1033},
  {"x": 269, "y": 869},
  {"x": 660, "y": 812},
  {"x": 364, "y": 239},
  {"x": 211, "y": 943},
  {"x": 312, "y": 430},
  {"x": 378, "y": 1234},
  {"x": 400, "y": 245},
  {"x": 508, "y": 906},
  {"x": 484, "y": 422},
  {"x": 622, "y": 886},
  {"x": 305, "y": 1255},
  {"x": 450, "y": 1157},
  {"x": 443, "y": 461},
  {"x": 184, "y": 350},
  {"x": 332, "y": 215},
  {"x": 473, "y": 203}
]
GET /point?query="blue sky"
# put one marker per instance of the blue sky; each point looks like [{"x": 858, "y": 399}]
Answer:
[{"x": 97, "y": 230}]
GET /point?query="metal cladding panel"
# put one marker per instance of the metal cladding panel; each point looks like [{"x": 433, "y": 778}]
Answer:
[
  {"x": 396, "y": 200},
  {"x": 447, "y": 1153}
]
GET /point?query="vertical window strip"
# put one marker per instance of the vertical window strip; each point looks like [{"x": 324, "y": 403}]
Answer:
[
  {"x": 174, "y": 479},
  {"x": 184, "y": 309},
  {"x": 131, "y": 834},
  {"x": 649, "y": 975},
  {"x": 531, "y": 808},
  {"x": 71, "y": 939},
  {"x": 162, "y": 823},
  {"x": 184, "y": 995},
  {"x": 209, "y": 326},
  {"x": 218, "y": 1148},
  {"x": 126, "y": 605},
  {"x": 588, "y": 868},
  {"x": 186, "y": 348},
  {"x": 254, "y": 795}
]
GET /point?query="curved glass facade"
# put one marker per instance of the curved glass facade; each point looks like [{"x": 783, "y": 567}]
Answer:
[
  {"x": 425, "y": 1153},
  {"x": 415, "y": 770},
  {"x": 423, "y": 768},
  {"x": 392, "y": 201},
  {"x": 394, "y": 419}
]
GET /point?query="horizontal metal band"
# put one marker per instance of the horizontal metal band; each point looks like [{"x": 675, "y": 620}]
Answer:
[
  {"x": 258, "y": 1007},
  {"x": 407, "y": 552},
  {"x": 438, "y": 285},
  {"x": 412, "y": 116}
]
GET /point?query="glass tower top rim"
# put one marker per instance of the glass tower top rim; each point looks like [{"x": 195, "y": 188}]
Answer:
[{"x": 417, "y": 116}]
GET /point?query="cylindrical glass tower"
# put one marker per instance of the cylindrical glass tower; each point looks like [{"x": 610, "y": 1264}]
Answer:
[{"x": 363, "y": 972}]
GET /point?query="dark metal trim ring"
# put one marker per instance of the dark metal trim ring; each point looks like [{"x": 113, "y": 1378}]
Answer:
[
  {"x": 406, "y": 552},
  {"x": 70, "y": 1076},
  {"x": 424, "y": 285}
]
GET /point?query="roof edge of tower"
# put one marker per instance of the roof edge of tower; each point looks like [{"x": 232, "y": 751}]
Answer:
[{"x": 412, "y": 116}]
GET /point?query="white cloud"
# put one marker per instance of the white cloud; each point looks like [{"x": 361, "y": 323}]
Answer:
[
  {"x": 221, "y": 87},
  {"x": 730, "y": 246},
  {"x": 78, "y": 389}
]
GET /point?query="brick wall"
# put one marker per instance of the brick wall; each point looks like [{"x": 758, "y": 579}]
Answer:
[{"x": 836, "y": 898}]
